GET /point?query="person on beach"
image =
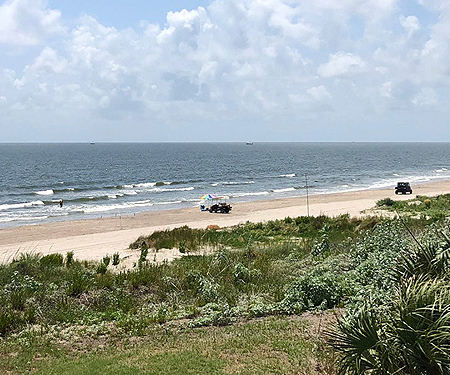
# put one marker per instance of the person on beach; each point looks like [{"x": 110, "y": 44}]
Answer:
[{"x": 61, "y": 203}]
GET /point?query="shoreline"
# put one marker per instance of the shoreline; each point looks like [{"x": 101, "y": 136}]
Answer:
[{"x": 91, "y": 239}]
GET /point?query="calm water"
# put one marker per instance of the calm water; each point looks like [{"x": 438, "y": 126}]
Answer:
[{"x": 119, "y": 179}]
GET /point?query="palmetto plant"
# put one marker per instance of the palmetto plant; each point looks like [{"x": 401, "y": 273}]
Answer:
[
  {"x": 410, "y": 334},
  {"x": 360, "y": 343},
  {"x": 411, "y": 337},
  {"x": 420, "y": 324},
  {"x": 432, "y": 258}
]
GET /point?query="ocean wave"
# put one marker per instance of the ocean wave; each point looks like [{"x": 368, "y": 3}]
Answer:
[
  {"x": 289, "y": 175},
  {"x": 118, "y": 207},
  {"x": 14, "y": 206},
  {"x": 144, "y": 185},
  {"x": 84, "y": 199},
  {"x": 285, "y": 190},
  {"x": 232, "y": 183},
  {"x": 22, "y": 218},
  {"x": 164, "y": 190},
  {"x": 186, "y": 182},
  {"x": 249, "y": 194},
  {"x": 45, "y": 192},
  {"x": 66, "y": 190}
]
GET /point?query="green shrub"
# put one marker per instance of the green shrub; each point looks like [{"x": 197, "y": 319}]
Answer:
[
  {"x": 213, "y": 314},
  {"x": 52, "y": 260},
  {"x": 69, "y": 258},
  {"x": 386, "y": 202},
  {"x": 116, "y": 259},
  {"x": 102, "y": 268},
  {"x": 322, "y": 246},
  {"x": 79, "y": 280},
  {"x": 106, "y": 260},
  {"x": 316, "y": 290}
]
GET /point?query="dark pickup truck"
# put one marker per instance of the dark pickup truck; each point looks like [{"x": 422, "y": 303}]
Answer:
[
  {"x": 403, "y": 188},
  {"x": 222, "y": 208}
]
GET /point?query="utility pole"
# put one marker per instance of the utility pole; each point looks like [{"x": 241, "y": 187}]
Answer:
[{"x": 307, "y": 195}]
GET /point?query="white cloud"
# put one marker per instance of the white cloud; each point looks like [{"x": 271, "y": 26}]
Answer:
[
  {"x": 411, "y": 24},
  {"x": 49, "y": 60},
  {"x": 342, "y": 64},
  {"x": 232, "y": 61},
  {"x": 426, "y": 98},
  {"x": 319, "y": 93},
  {"x": 386, "y": 90},
  {"x": 28, "y": 22}
]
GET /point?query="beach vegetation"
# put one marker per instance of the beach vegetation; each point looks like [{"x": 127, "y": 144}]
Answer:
[
  {"x": 106, "y": 260},
  {"x": 432, "y": 209},
  {"x": 116, "y": 259},
  {"x": 407, "y": 333},
  {"x": 69, "y": 258},
  {"x": 387, "y": 278}
]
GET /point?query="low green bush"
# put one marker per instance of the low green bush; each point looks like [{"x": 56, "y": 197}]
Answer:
[
  {"x": 321, "y": 290},
  {"x": 52, "y": 260},
  {"x": 386, "y": 202}
]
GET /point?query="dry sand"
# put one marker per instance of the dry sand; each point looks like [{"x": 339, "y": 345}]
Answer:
[{"x": 92, "y": 239}]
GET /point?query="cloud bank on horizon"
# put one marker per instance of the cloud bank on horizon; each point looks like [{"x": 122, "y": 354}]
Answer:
[{"x": 262, "y": 70}]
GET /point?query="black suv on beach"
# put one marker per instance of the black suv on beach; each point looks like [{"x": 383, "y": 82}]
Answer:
[{"x": 403, "y": 187}]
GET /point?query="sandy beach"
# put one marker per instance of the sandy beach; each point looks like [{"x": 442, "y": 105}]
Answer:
[{"x": 92, "y": 239}]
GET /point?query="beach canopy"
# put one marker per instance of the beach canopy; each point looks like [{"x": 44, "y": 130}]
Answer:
[{"x": 208, "y": 197}]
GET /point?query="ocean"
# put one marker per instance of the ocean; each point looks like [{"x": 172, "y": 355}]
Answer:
[{"x": 110, "y": 179}]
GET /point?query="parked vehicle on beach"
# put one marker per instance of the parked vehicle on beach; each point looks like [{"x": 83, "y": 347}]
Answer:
[
  {"x": 214, "y": 204},
  {"x": 222, "y": 208},
  {"x": 403, "y": 188}
]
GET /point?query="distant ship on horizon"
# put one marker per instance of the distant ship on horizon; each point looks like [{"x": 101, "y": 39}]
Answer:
[{"x": 249, "y": 143}]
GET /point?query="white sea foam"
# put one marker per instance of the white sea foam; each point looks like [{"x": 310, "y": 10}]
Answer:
[
  {"x": 233, "y": 183},
  {"x": 14, "y": 206},
  {"x": 250, "y": 194},
  {"x": 117, "y": 207},
  {"x": 143, "y": 185},
  {"x": 289, "y": 175},
  {"x": 238, "y": 182},
  {"x": 163, "y": 190},
  {"x": 283, "y": 190},
  {"x": 45, "y": 192}
]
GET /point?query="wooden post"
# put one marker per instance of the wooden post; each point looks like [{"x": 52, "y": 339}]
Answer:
[{"x": 307, "y": 193}]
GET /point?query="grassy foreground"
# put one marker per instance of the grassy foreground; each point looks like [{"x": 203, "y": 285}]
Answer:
[
  {"x": 262, "y": 300},
  {"x": 263, "y": 346}
]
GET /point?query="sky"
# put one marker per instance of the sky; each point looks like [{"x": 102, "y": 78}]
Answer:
[{"x": 224, "y": 70}]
